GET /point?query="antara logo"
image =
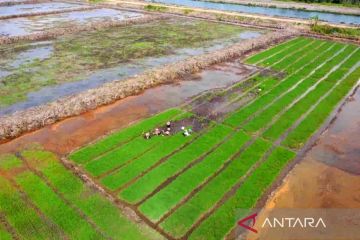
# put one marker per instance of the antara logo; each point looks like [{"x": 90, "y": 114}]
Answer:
[{"x": 285, "y": 222}]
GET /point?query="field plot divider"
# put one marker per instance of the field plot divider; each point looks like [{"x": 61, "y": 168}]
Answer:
[
  {"x": 285, "y": 134},
  {"x": 252, "y": 116},
  {"x": 7, "y": 226},
  {"x": 27, "y": 200},
  {"x": 188, "y": 166},
  {"x": 243, "y": 94},
  {"x": 162, "y": 160},
  {"x": 62, "y": 197},
  {"x": 278, "y": 115},
  {"x": 206, "y": 181}
]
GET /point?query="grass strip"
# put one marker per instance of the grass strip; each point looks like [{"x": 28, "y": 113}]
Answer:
[
  {"x": 53, "y": 206},
  {"x": 139, "y": 165},
  {"x": 154, "y": 178},
  {"x": 223, "y": 219},
  {"x": 185, "y": 216},
  {"x": 301, "y": 107},
  {"x": 313, "y": 121},
  {"x": 21, "y": 216},
  {"x": 87, "y": 153},
  {"x": 267, "y": 53},
  {"x": 245, "y": 112},
  {"x": 260, "y": 120},
  {"x": 103, "y": 213},
  {"x": 164, "y": 200}
]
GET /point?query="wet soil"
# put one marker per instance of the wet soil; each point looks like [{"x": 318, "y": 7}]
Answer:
[
  {"x": 328, "y": 175},
  {"x": 69, "y": 134}
]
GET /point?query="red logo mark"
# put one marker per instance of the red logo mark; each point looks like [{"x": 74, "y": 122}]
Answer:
[{"x": 243, "y": 221}]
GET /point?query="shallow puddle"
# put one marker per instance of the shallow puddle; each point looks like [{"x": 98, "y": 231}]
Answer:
[
  {"x": 27, "y": 25},
  {"x": 74, "y": 132},
  {"x": 36, "y": 8},
  {"x": 138, "y": 53}
]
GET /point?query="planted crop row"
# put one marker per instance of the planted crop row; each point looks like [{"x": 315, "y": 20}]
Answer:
[
  {"x": 128, "y": 172},
  {"x": 105, "y": 215},
  {"x": 21, "y": 216},
  {"x": 168, "y": 197},
  {"x": 154, "y": 178},
  {"x": 186, "y": 215},
  {"x": 284, "y": 54},
  {"x": 52, "y": 206},
  {"x": 260, "y": 120},
  {"x": 86, "y": 154},
  {"x": 224, "y": 218},
  {"x": 285, "y": 62},
  {"x": 121, "y": 155},
  {"x": 244, "y": 113},
  {"x": 267, "y": 53},
  {"x": 313, "y": 121},
  {"x": 294, "y": 65},
  {"x": 294, "y": 113}
]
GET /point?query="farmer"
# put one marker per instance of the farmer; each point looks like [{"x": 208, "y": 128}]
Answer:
[
  {"x": 147, "y": 136},
  {"x": 157, "y": 132}
]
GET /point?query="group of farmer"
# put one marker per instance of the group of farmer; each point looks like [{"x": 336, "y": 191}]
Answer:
[{"x": 167, "y": 131}]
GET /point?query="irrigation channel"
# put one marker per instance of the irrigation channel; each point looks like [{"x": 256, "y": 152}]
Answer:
[
  {"x": 280, "y": 12},
  {"x": 86, "y": 64}
]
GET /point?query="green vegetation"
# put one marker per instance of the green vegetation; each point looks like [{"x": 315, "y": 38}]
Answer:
[
  {"x": 153, "y": 179},
  {"x": 182, "y": 182},
  {"x": 41, "y": 199},
  {"x": 75, "y": 57},
  {"x": 155, "y": 8},
  {"x": 88, "y": 153},
  {"x": 161, "y": 203},
  {"x": 182, "y": 219},
  {"x": 336, "y": 31},
  {"x": 222, "y": 221},
  {"x": 347, "y": 3}
]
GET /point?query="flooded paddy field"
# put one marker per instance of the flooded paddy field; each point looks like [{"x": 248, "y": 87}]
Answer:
[
  {"x": 28, "y": 25},
  {"x": 33, "y": 73},
  {"x": 8, "y": 11},
  {"x": 249, "y": 120},
  {"x": 280, "y": 12},
  {"x": 228, "y": 153}
]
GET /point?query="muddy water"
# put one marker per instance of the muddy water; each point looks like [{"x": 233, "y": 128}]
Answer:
[
  {"x": 74, "y": 132},
  {"x": 120, "y": 72},
  {"x": 329, "y": 175},
  {"x": 36, "y": 8},
  {"x": 28, "y": 25}
]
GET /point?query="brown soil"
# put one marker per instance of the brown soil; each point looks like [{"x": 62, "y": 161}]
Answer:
[{"x": 328, "y": 176}]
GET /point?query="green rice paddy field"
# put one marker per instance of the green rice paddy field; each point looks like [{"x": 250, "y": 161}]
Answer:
[{"x": 187, "y": 187}]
